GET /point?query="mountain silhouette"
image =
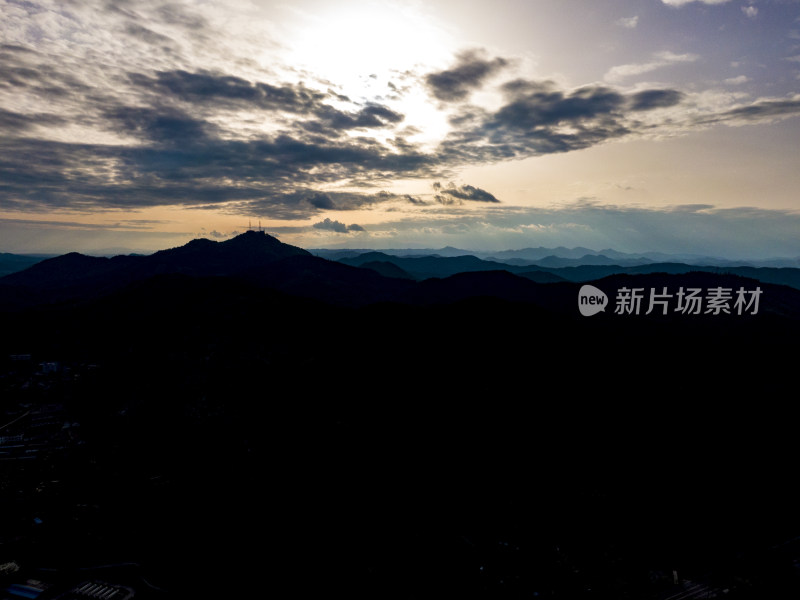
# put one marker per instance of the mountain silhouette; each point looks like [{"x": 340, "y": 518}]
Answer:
[
  {"x": 75, "y": 276},
  {"x": 402, "y": 433},
  {"x": 199, "y": 257},
  {"x": 11, "y": 263},
  {"x": 553, "y": 261},
  {"x": 264, "y": 261},
  {"x": 424, "y": 267},
  {"x": 588, "y": 272},
  {"x": 246, "y": 250}
]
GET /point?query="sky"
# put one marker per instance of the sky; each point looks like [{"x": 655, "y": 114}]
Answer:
[{"x": 638, "y": 125}]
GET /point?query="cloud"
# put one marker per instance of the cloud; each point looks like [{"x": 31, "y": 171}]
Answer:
[
  {"x": 470, "y": 72},
  {"x": 298, "y": 204},
  {"x": 322, "y": 201},
  {"x": 453, "y": 194},
  {"x": 337, "y": 226},
  {"x": 659, "y": 60},
  {"x": 628, "y": 22},
  {"x": 147, "y": 35},
  {"x": 739, "y": 80},
  {"x": 329, "y": 225},
  {"x": 58, "y": 237},
  {"x": 760, "y": 110},
  {"x": 683, "y": 2},
  {"x": 111, "y": 106},
  {"x": 750, "y": 12},
  {"x": 328, "y": 119},
  {"x": 539, "y": 118},
  {"x": 684, "y": 229},
  {"x": 39, "y": 78},
  {"x": 123, "y": 225},
  {"x": 174, "y": 145},
  {"x": 206, "y": 90},
  {"x": 697, "y": 229},
  {"x": 187, "y": 159},
  {"x": 160, "y": 125},
  {"x": 650, "y": 99},
  {"x": 12, "y": 121},
  {"x": 206, "y": 87}
]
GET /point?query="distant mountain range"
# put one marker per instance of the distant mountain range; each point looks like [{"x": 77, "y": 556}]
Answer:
[
  {"x": 358, "y": 280},
  {"x": 254, "y": 257},
  {"x": 569, "y": 257},
  {"x": 11, "y": 263},
  {"x": 554, "y": 269},
  {"x": 551, "y": 258}
]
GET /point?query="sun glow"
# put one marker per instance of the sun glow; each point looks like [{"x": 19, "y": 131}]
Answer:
[
  {"x": 351, "y": 44},
  {"x": 370, "y": 51}
]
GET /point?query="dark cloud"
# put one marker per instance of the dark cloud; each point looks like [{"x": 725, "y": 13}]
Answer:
[
  {"x": 468, "y": 116},
  {"x": 322, "y": 201},
  {"x": 378, "y": 116},
  {"x": 329, "y": 225},
  {"x": 762, "y": 109},
  {"x": 414, "y": 200},
  {"x": 15, "y": 48},
  {"x": 11, "y": 121},
  {"x": 540, "y": 104},
  {"x": 209, "y": 89},
  {"x": 337, "y": 226},
  {"x": 453, "y": 194},
  {"x": 690, "y": 208},
  {"x": 185, "y": 158},
  {"x": 372, "y": 115},
  {"x": 160, "y": 125},
  {"x": 470, "y": 72},
  {"x": 185, "y": 153},
  {"x": 25, "y": 69},
  {"x": 147, "y": 35},
  {"x": 17, "y": 76},
  {"x": 205, "y": 87},
  {"x": 296, "y": 204},
  {"x": 540, "y": 118},
  {"x": 650, "y": 99},
  {"x": 318, "y": 201},
  {"x": 182, "y": 162}
]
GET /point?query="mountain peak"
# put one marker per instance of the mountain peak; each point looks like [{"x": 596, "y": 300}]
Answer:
[
  {"x": 252, "y": 237},
  {"x": 246, "y": 250},
  {"x": 262, "y": 245}
]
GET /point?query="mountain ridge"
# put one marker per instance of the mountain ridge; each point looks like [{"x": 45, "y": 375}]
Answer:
[
  {"x": 369, "y": 278},
  {"x": 199, "y": 257},
  {"x": 532, "y": 255},
  {"x": 547, "y": 257}
]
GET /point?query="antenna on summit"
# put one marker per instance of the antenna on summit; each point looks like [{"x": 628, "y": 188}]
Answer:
[{"x": 259, "y": 227}]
